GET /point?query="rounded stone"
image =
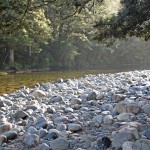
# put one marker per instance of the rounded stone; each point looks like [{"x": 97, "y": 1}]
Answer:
[
  {"x": 43, "y": 146},
  {"x": 61, "y": 127},
  {"x": 53, "y": 130},
  {"x": 103, "y": 143},
  {"x": 32, "y": 130},
  {"x": 38, "y": 93},
  {"x": 41, "y": 122},
  {"x": 100, "y": 96},
  {"x": 59, "y": 144},
  {"x": 117, "y": 97},
  {"x": 120, "y": 138},
  {"x": 97, "y": 119},
  {"x": 10, "y": 135},
  {"x": 60, "y": 119},
  {"x": 142, "y": 144},
  {"x": 51, "y": 110},
  {"x": 42, "y": 133},
  {"x": 108, "y": 119},
  {"x": 74, "y": 127},
  {"x": 128, "y": 145},
  {"x": 147, "y": 134},
  {"x": 106, "y": 107},
  {"x": 2, "y": 104},
  {"x": 21, "y": 114},
  {"x": 121, "y": 107},
  {"x": 51, "y": 136},
  {"x": 3, "y": 139},
  {"x": 75, "y": 101},
  {"x": 31, "y": 140},
  {"x": 146, "y": 109},
  {"x": 125, "y": 116},
  {"x": 68, "y": 109},
  {"x": 5, "y": 127},
  {"x": 91, "y": 96},
  {"x": 57, "y": 99},
  {"x": 133, "y": 108}
]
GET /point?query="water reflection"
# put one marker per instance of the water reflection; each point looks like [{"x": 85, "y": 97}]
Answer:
[{"x": 11, "y": 82}]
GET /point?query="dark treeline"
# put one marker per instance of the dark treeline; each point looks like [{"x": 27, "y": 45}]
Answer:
[{"x": 59, "y": 34}]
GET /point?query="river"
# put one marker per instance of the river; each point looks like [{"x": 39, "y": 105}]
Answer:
[{"x": 12, "y": 82}]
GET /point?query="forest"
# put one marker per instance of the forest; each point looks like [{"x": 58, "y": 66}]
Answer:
[{"x": 74, "y": 34}]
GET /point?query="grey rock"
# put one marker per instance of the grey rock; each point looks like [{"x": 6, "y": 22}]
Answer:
[
  {"x": 3, "y": 139},
  {"x": 2, "y": 104},
  {"x": 131, "y": 130},
  {"x": 57, "y": 99},
  {"x": 51, "y": 136},
  {"x": 103, "y": 143},
  {"x": 147, "y": 134},
  {"x": 125, "y": 116},
  {"x": 117, "y": 97},
  {"x": 5, "y": 127},
  {"x": 31, "y": 140},
  {"x": 59, "y": 144},
  {"x": 98, "y": 118},
  {"x": 60, "y": 80},
  {"x": 120, "y": 138},
  {"x": 74, "y": 127},
  {"x": 106, "y": 107},
  {"x": 64, "y": 134},
  {"x": 10, "y": 135},
  {"x": 68, "y": 109},
  {"x": 33, "y": 107},
  {"x": 51, "y": 109},
  {"x": 133, "y": 108},
  {"x": 21, "y": 114},
  {"x": 129, "y": 145},
  {"x": 41, "y": 123},
  {"x": 38, "y": 93},
  {"x": 60, "y": 119},
  {"x": 42, "y": 133},
  {"x": 146, "y": 109},
  {"x": 50, "y": 126},
  {"x": 100, "y": 96},
  {"x": 91, "y": 96},
  {"x": 8, "y": 102},
  {"x": 53, "y": 130},
  {"x": 127, "y": 107},
  {"x": 121, "y": 107},
  {"x": 142, "y": 144},
  {"x": 32, "y": 130},
  {"x": 44, "y": 146},
  {"x": 108, "y": 119},
  {"x": 61, "y": 127},
  {"x": 75, "y": 101}
]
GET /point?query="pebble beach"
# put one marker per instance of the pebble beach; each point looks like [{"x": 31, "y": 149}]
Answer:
[{"x": 93, "y": 112}]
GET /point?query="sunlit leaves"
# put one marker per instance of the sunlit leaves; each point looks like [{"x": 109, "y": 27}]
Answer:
[{"x": 131, "y": 20}]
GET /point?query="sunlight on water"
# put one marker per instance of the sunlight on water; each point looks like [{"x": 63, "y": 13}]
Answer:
[{"x": 12, "y": 82}]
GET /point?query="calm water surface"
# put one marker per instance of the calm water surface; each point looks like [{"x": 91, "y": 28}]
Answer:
[{"x": 11, "y": 82}]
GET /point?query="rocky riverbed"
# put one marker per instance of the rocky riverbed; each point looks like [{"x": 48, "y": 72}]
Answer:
[{"x": 94, "y": 112}]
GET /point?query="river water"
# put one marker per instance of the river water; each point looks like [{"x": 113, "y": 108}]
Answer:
[{"x": 12, "y": 82}]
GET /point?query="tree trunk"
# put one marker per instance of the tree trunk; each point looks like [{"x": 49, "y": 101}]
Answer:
[{"x": 11, "y": 57}]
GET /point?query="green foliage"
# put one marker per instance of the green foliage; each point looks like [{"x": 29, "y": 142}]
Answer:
[
  {"x": 133, "y": 19},
  {"x": 59, "y": 33},
  {"x": 23, "y": 26}
]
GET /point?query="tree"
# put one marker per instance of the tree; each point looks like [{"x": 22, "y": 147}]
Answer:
[
  {"x": 22, "y": 23},
  {"x": 133, "y": 19}
]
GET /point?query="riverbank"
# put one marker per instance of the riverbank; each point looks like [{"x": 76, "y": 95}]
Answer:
[
  {"x": 12, "y": 82},
  {"x": 94, "y": 112}
]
